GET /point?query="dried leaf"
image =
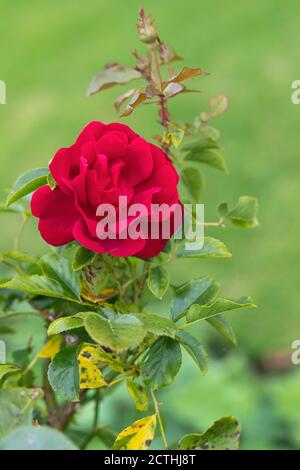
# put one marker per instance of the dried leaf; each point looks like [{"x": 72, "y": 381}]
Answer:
[
  {"x": 113, "y": 74},
  {"x": 167, "y": 54},
  {"x": 137, "y": 99},
  {"x": 124, "y": 97},
  {"x": 186, "y": 73}
]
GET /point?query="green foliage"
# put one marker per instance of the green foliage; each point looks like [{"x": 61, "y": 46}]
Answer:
[
  {"x": 59, "y": 269},
  {"x": 37, "y": 285},
  {"x": 223, "y": 327},
  {"x": 194, "y": 348},
  {"x": 198, "y": 291},
  {"x": 244, "y": 214},
  {"x": 202, "y": 312},
  {"x": 212, "y": 248},
  {"x": 64, "y": 324},
  {"x": 82, "y": 258},
  {"x": 157, "y": 325},
  {"x": 63, "y": 374},
  {"x": 192, "y": 180},
  {"x": 118, "y": 334},
  {"x": 162, "y": 363},
  {"x": 26, "y": 184},
  {"x": 158, "y": 281}
]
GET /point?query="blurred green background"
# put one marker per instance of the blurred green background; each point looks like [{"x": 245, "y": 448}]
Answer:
[{"x": 49, "y": 52}]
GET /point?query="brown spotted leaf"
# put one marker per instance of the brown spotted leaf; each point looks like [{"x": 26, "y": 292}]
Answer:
[
  {"x": 90, "y": 360},
  {"x": 139, "y": 395},
  {"x": 224, "y": 434},
  {"x": 138, "y": 436}
]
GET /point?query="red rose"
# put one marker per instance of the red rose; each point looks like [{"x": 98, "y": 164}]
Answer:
[{"x": 106, "y": 162}]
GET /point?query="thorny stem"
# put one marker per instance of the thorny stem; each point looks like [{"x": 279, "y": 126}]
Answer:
[{"x": 157, "y": 412}]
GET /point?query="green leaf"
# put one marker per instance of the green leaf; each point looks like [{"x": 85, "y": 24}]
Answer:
[
  {"x": 123, "y": 332},
  {"x": 157, "y": 325},
  {"x": 194, "y": 348},
  {"x": 162, "y": 363},
  {"x": 36, "y": 285},
  {"x": 224, "y": 434},
  {"x": 202, "y": 312},
  {"x": 199, "y": 291},
  {"x": 138, "y": 394},
  {"x": 63, "y": 374},
  {"x": 27, "y": 183},
  {"x": 113, "y": 74},
  {"x": 244, "y": 213},
  {"x": 158, "y": 281},
  {"x": 59, "y": 269},
  {"x": 222, "y": 210},
  {"x": 212, "y": 248},
  {"x": 192, "y": 179},
  {"x": 15, "y": 407},
  {"x": 37, "y": 438},
  {"x": 19, "y": 256},
  {"x": 82, "y": 258},
  {"x": 223, "y": 327},
  {"x": 64, "y": 324},
  {"x": 210, "y": 156},
  {"x": 137, "y": 436},
  {"x": 6, "y": 369},
  {"x": 199, "y": 144}
]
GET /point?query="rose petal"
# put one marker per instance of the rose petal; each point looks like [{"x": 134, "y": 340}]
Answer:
[
  {"x": 138, "y": 162},
  {"x": 113, "y": 144},
  {"x": 122, "y": 248},
  {"x": 57, "y": 215}
]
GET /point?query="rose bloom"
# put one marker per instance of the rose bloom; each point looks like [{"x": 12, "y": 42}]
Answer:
[{"x": 105, "y": 162}]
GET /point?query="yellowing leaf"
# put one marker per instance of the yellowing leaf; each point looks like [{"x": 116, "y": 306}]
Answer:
[
  {"x": 104, "y": 294},
  {"x": 139, "y": 395},
  {"x": 138, "y": 436},
  {"x": 52, "y": 347},
  {"x": 89, "y": 359}
]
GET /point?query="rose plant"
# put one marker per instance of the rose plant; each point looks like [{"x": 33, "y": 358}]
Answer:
[{"x": 93, "y": 292}]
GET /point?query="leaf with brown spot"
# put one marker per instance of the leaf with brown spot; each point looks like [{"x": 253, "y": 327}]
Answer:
[
  {"x": 224, "y": 434},
  {"x": 138, "y": 394},
  {"x": 138, "y": 436},
  {"x": 89, "y": 360}
]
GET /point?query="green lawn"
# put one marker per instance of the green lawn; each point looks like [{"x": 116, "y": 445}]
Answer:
[{"x": 49, "y": 52}]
